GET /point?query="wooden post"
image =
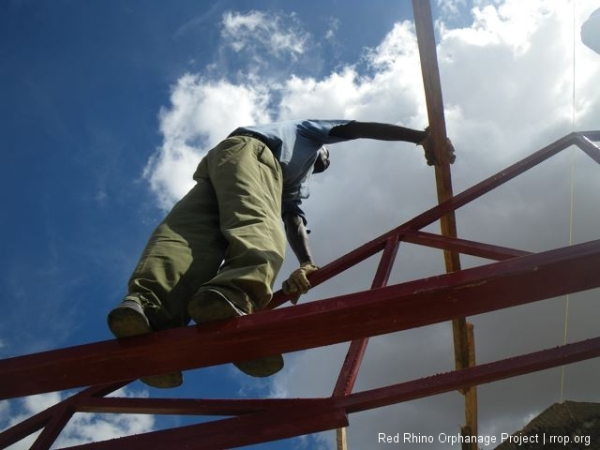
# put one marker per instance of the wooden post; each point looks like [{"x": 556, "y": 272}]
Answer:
[
  {"x": 437, "y": 127},
  {"x": 341, "y": 439}
]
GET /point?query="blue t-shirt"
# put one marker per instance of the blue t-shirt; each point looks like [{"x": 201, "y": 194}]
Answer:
[{"x": 295, "y": 144}]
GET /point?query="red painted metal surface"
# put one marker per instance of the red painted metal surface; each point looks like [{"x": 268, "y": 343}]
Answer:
[
  {"x": 280, "y": 423},
  {"x": 49, "y": 417},
  {"x": 592, "y": 135},
  {"x": 60, "y": 417},
  {"x": 338, "y": 319},
  {"x": 295, "y": 417},
  {"x": 191, "y": 407},
  {"x": 585, "y": 143},
  {"x": 485, "y": 373},
  {"x": 430, "y": 216},
  {"x": 356, "y": 352},
  {"x": 208, "y": 435},
  {"x": 493, "y": 252},
  {"x": 518, "y": 278}
]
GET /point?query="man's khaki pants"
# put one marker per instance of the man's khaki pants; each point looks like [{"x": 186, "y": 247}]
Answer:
[{"x": 225, "y": 235}]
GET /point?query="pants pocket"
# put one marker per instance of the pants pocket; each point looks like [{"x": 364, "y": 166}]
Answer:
[{"x": 265, "y": 157}]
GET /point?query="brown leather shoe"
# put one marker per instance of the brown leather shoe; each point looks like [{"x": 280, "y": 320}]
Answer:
[
  {"x": 209, "y": 305},
  {"x": 128, "y": 319}
]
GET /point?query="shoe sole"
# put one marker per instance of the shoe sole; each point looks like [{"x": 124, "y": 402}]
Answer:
[
  {"x": 261, "y": 367},
  {"x": 126, "y": 322},
  {"x": 165, "y": 381},
  {"x": 209, "y": 306}
]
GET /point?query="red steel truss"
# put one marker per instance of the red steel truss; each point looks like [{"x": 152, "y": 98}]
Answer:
[{"x": 516, "y": 278}]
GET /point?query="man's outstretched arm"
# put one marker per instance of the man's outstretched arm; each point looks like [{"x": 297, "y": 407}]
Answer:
[
  {"x": 378, "y": 131},
  {"x": 389, "y": 132}
]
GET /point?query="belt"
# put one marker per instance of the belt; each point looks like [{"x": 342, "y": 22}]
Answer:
[{"x": 256, "y": 136}]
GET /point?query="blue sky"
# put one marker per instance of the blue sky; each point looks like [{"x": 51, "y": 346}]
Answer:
[
  {"x": 83, "y": 83},
  {"x": 108, "y": 105}
]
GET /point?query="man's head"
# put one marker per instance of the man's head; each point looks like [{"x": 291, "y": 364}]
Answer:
[{"x": 322, "y": 162}]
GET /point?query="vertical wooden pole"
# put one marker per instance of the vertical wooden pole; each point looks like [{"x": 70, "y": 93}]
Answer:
[
  {"x": 471, "y": 394},
  {"x": 437, "y": 126},
  {"x": 341, "y": 439}
]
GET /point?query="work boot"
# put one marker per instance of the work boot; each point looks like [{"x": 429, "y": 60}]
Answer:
[
  {"x": 427, "y": 145},
  {"x": 128, "y": 319},
  {"x": 209, "y": 305}
]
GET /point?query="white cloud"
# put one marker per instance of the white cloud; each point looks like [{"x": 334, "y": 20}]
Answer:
[
  {"x": 508, "y": 82},
  {"x": 510, "y": 24},
  {"x": 451, "y": 7},
  {"x": 13, "y": 412},
  {"x": 257, "y": 32},
  {"x": 334, "y": 25},
  {"x": 83, "y": 427},
  {"x": 201, "y": 113}
]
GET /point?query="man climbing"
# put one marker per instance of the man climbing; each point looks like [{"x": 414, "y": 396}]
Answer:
[{"x": 217, "y": 253}]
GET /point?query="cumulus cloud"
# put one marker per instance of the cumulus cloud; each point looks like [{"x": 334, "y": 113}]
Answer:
[
  {"x": 514, "y": 80},
  {"x": 451, "y": 7},
  {"x": 82, "y": 428},
  {"x": 201, "y": 113},
  {"x": 257, "y": 32}
]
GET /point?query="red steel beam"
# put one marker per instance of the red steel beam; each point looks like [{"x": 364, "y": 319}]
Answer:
[
  {"x": 301, "y": 416},
  {"x": 280, "y": 423},
  {"x": 339, "y": 319},
  {"x": 216, "y": 407},
  {"x": 585, "y": 143},
  {"x": 361, "y": 401},
  {"x": 27, "y": 427},
  {"x": 60, "y": 417},
  {"x": 48, "y": 417},
  {"x": 358, "y": 347},
  {"x": 593, "y": 135},
  {"x": 459, "y": 379},
  {"x": 428, "y": 217},
  {"x": 190, "y": 407},
  {"x": 493, "y": 252}
]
